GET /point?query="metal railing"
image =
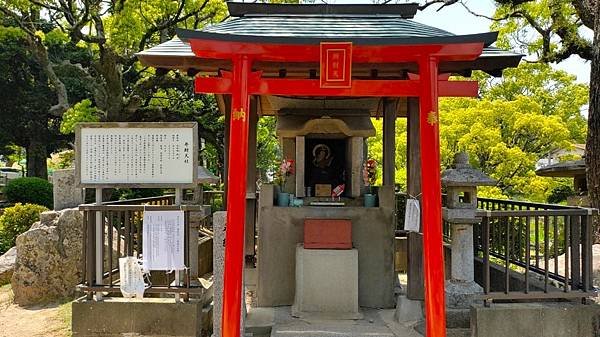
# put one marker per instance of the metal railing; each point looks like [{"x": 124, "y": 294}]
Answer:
[
  {"x": 529, "y": 251},
  {"x": 121, "y": 228},
  {"x": 542, "y": 253}
]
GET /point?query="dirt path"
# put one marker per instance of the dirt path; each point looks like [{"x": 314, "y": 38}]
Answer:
[{"x": 52, "y": 320}]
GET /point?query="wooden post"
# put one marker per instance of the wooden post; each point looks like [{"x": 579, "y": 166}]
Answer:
[
  {"x": 178, "y": 198},
  {"x": 433, "y": 264},
  {"x": 389, "y": 142},
  {"x": 251, "y": 180},
  {"x": 415, "y": 290},
  {"x": 227, "y": 103},
  {"x": 99, "y": 244},
  {"x": 236, "y": 198}
]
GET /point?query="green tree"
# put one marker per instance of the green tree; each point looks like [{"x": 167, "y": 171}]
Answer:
[
  {"x": 26, "y": 102},
  {"x": 518, "y": 120},
  {"x": 552, "y": 31}
]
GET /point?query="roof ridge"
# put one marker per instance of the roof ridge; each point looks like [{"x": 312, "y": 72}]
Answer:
[{"x": 237, "y": 9}]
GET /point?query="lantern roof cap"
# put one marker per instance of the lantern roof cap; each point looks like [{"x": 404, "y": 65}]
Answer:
[{"x": 463, "y": 174}]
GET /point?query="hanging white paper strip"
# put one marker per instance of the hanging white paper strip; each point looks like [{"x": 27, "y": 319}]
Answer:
[
  {"x": 163, "y": 236},
  {"x": 132, "y": 279},
  {"x": 412, "y": 217}
]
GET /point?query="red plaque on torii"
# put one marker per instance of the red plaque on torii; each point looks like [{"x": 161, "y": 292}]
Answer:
[{"x": 336, "y": 64}]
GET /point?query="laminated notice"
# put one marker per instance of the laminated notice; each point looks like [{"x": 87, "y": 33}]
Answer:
[
  {"x": 412, "y": 217},
  {"x": 163, "y": 240}
]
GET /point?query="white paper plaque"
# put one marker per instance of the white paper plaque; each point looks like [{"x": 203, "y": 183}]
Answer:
[
  {"x": 412, "y": 217},
  {"x": 163, "y": 236},
  {"x": 137, "y": 154}
]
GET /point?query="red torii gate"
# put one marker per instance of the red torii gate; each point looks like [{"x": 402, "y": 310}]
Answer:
[{"x": 242, "y": 82}]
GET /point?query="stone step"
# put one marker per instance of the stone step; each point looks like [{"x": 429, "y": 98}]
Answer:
[
  {"x": 331, "y": 329},
  {"x": 458, "y": 318},
  {"x": 462, "y": 332}
]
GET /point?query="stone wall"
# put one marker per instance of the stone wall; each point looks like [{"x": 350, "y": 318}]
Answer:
[{"x": 49, "y": 260}]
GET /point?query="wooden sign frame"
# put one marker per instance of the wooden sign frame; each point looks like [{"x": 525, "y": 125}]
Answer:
[{"x": 135, "y": 125}]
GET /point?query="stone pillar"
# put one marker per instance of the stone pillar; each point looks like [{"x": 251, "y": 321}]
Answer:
[
  {"x": 219, "y": 224},
  {"x": 65, "y": 190},
  {"x": 461, "y": 183}
]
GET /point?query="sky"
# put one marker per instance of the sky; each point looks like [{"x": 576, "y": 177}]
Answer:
[{"x": 457, "y": 20}]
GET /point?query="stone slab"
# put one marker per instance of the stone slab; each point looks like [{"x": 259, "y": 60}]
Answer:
[
  {"x": 407, "y": 310},
  {"x": 147, "y": 316},
  {"x": 536, "y": 319},
  {"x": 65, "y": 191},
  {"x": 326, "y": 282}
]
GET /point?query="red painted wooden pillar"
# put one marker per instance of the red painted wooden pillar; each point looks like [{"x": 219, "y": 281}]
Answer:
[
  {"x": 236, "y": 197},
  {"x": 435, "y": 307}
]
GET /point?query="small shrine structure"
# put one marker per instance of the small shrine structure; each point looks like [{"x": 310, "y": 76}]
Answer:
[{"x": 324, "y": 71}]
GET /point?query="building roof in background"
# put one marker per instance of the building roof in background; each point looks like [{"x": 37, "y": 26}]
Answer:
[{"x": 569, "y": 168}]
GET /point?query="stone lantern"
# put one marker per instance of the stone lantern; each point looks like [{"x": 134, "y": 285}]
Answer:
[{"x": 461, "y": 183}]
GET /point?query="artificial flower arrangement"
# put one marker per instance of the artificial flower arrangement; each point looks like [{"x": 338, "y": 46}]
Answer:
[
  {"x": 286, "y": 169},
  {"x": 370, "y": 173}
]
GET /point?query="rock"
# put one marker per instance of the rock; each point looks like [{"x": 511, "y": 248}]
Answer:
[
  {"x": 49, "y": 260},
  {"x": 7, "y": 265}
]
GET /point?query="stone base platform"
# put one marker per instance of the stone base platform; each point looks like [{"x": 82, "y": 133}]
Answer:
[
  {"x": 536, "y": 319},
  {"x": 279, "y": 322},
  {"x": 145, "y": 317}
]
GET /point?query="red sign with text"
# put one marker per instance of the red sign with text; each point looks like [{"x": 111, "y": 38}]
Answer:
[{"x": 336, "y": 64}]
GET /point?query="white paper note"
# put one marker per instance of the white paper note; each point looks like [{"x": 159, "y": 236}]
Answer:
[
  {"x": 163, "y": 235},
  {"x": 412, "y": 217}
]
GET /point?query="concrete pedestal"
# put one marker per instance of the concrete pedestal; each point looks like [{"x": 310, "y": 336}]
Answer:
[
  {"x": 146, "y": 317},
  {"x": 326, "y": 283}
]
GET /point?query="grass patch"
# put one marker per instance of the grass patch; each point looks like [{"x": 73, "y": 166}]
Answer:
[{"x": 64, "y": 314}]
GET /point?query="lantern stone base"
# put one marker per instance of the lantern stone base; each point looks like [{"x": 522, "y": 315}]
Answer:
[
  {"x": 461, "y": 294},
  {"x": 326, "y": 283}
]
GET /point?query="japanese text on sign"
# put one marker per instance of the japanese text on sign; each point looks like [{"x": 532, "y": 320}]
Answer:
[
  {"x": 136, "y": 155},
  {"x": 163, "y": 235}
]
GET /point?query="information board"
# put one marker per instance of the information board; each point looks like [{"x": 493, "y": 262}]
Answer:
[{"x": 137, "y": 154}]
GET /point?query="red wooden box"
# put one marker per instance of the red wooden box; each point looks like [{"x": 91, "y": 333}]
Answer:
[{"x": 327, "y": 234}]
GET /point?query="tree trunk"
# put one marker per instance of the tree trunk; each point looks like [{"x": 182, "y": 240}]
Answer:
[
  {"x": 592, "y": 157},
  {"x": 36, "y": 159}
]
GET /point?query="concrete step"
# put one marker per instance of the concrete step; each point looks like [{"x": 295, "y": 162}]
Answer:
[
  {"x": 458, "y": 318},
  {"x": 458, "y": 332},
  {"x": 450, "y": 331},
  {"x": 455, "y": 319},
  {"x": 331, "y": 329}
]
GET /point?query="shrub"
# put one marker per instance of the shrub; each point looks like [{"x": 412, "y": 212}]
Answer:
[
  {"x": 30, "y": 190},
  {"x": 16, "y": 220},
  {"x": 560, "y": 193}
]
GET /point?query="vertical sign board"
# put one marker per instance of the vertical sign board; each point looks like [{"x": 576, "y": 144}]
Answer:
[{"x": 137, "y": 154}]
